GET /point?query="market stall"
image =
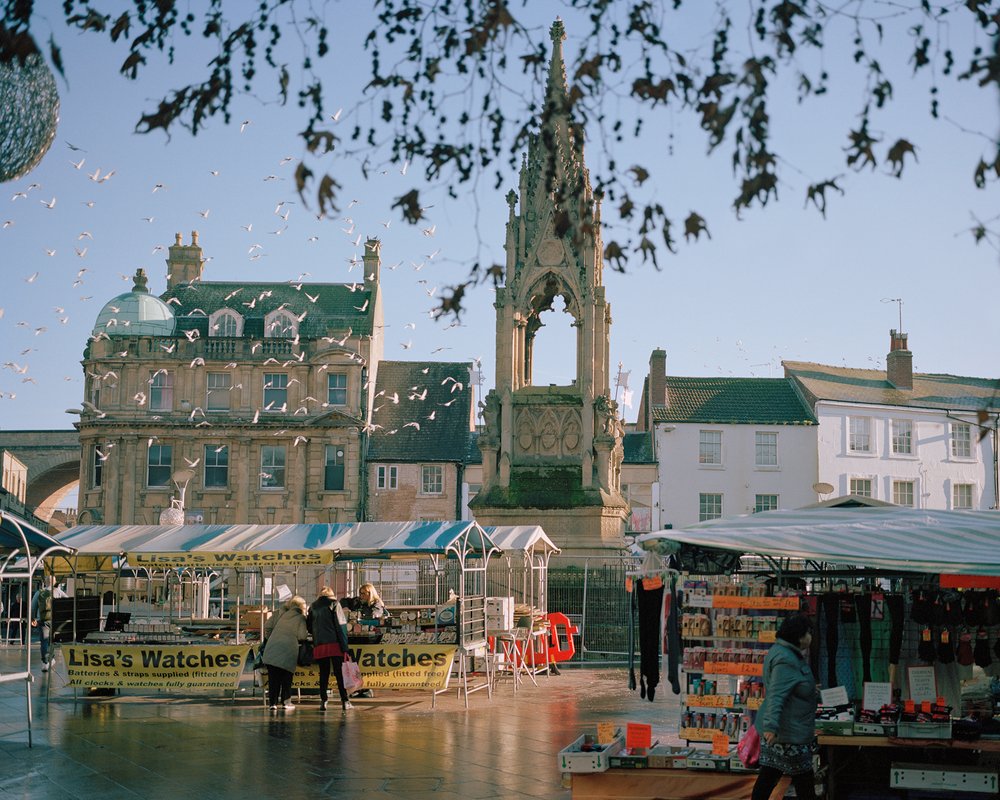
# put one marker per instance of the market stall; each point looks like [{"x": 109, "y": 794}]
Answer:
[
  {"x": 266, "y": 564},
  {"x": 896, "y": 647},
  {"x": 23, "y": 549}
]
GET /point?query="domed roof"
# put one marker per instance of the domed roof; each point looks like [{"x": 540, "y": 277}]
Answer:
[{"x": 136, "y": 313}]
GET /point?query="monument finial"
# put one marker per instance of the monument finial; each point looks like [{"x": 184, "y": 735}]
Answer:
[{"x": 557, "y": 86}]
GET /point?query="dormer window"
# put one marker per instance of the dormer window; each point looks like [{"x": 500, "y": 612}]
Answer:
[
  {"x": 225, "y": 322},
  {"x": 280, "y": 324}
]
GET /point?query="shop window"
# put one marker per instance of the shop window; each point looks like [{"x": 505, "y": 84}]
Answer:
[
  {"x": 765, "y": 449},
  {"x": 961, "y": 440},
  {"x": 903, "y": 493},
  {"x": 272, "y": 467},
  {"x": 860, "y": 435},
  {"x": 902, "y": 437},
  {"x": 220, "y": 386},
  {"x": 431, "y": 479},
  {"x": 709, "y": 506},
  {"x": 159, "y": 465},
  {"x": 961, "y": 496},
  {"x": 710, "y": 447},
  {"x": 387, "y": 477},
  {"x": 333, "y": 470},
  {"x": 275, "y": 392},
  {"x": 161, "y": 391},
  {"x": 216, "y": 466},
  {"x": 336, "y": 389},
  {"x": 765, "y": 502}
]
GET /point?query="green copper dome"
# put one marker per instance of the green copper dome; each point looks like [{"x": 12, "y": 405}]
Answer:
[{"x": 136, "y": 313}]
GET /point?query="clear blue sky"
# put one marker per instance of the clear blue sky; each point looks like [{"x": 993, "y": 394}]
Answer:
[{"x": 781, "y": 284}]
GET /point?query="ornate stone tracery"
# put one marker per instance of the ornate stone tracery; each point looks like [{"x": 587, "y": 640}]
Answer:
[{"x": 560, "y": 446}]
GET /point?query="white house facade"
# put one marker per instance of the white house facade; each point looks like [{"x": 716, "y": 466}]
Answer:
[{"x": 912, "y": 439}]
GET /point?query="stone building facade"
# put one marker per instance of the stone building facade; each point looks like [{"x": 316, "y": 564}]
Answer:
[{"x": 254, "y": 397}]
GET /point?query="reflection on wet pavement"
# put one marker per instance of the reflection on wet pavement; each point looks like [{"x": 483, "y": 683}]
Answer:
[{"x": 183, "y": 747}]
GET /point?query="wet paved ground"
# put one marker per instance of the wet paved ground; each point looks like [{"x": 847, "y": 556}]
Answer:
[{"x": 182, "y": 747}]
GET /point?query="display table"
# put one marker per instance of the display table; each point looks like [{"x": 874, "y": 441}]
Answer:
[
  {"x": 666, "y": 784},
  {"x": 847, "y": 756}
]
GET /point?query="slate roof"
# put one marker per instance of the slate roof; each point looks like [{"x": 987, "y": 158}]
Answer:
[
  {"x": 736, "y": 401},
  {"x": 638, "y": 448},
  {"x": 444, "y": 438},
  {"x": 871, "y": 386},
  {"x": 336, "y": 307}
]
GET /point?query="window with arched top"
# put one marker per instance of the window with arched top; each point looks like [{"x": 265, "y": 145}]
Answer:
[
  {"x": 280, "y": 324},
  {"x": 225, "y": 322}
]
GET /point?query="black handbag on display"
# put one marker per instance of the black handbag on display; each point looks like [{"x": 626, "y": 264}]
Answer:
[{"x": 305, "y": 654}]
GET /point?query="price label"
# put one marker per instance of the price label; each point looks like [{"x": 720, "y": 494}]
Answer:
[
  {"x": 638, "y": 735},
  {"x": 736, "y": 601},
  {"x": 649, "y": 584},
  {"x": 605, "y": 732},
  {"x": 767, "y": 636},
  {"x": 720, "y": 744}
]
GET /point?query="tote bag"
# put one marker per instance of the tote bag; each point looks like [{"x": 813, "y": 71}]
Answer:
[
  {"x": 353, "y": 682},
  {"x": 749, "y": 747}
]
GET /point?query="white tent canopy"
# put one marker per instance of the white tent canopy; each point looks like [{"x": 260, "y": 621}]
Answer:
[
  {"x": 528, "y": 539},
  {"x": 905, "y": 539}
]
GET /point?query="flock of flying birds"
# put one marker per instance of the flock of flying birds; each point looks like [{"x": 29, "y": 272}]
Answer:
[{"x": 18, "y": 360}]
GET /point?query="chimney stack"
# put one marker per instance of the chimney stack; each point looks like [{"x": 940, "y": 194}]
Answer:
[
  {"x": 184, "y": 262},
  {"x": 657, "y": 383},
  {"x": 373, "y": 262},
  {"x": 899, "y": 362}
]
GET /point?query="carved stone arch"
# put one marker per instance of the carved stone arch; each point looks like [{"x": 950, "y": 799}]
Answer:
[{"x": 539, "y": 295}]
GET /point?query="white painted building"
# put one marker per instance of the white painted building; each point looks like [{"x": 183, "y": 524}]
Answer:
[
  {"x": 727, "y": 446},
  {"x": 919, "y": 440}
]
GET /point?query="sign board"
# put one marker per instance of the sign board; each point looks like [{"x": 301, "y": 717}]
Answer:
[
  {"x": 876, "y": 695},
  {"x": 606, "y": 732},
  {"x": 219, "y": 560},
  {"x": 638, "y": 734},
  {"x": 155, "y": 666},
  {"x": 392, "y": 666},
  {"x": 923, "y": 685}
]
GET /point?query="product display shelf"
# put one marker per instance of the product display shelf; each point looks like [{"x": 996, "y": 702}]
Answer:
[{"x": 724, "y": 646}]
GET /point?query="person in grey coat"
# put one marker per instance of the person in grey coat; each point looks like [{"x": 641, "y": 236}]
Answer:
[
  {"x": 283, "y": 632},
  {"x": 786, "y": 721}
]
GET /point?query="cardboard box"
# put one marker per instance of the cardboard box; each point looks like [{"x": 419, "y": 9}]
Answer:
[
  {"x": 705, "y": 760},
  {"x": 929, "y": 777},
  {"x": 874, "y": 729},
  {"x": 835, "y": 727},
  {"x": 500, "y": 613},
  {"x": 595, "y": 758}
]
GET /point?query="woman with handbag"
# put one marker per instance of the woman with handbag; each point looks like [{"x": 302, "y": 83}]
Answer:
[
  {"x": 786, "y": 721},
  {"x": 283, "y": 632},
  {"x": 368, "y": 606},
  {"x": 328, "y": 625}
]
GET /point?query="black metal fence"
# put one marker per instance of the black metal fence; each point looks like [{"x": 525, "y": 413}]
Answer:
[{"x": 591, "y": 592}]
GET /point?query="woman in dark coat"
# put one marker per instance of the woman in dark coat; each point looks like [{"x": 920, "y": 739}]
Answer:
[
  {"x": 283, "y": 632},
  {"x": 328, "y": 625},
  {"x": 787, "y": 720}
]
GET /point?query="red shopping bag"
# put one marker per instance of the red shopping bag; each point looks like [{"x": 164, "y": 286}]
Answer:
[{"x": 749, "y": 747}]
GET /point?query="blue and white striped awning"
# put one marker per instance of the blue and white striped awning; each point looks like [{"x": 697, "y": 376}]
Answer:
[{"x": 906, "y": 539}]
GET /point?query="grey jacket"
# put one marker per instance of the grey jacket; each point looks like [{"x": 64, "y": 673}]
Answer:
[
  {"x": 789, "y": 708},
  {"x": 284, "y": 631}
]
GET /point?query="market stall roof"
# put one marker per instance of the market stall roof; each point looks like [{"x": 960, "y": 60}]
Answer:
[
  {"x": 521, "y": 538},
  {"x": 405, "y": 539},
  {"x": 256, "y": 545},
  {"x": 13, "y": 527},
  {"x": 911, "y": 540}
]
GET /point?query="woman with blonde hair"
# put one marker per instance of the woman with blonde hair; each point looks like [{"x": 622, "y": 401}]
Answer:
[
  {"x": 283, "y": 633},
  {"x": 328, "y": 625},
  {"x": 368, "y": 604}
]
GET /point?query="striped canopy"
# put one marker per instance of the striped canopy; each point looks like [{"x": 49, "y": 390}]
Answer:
[
  {"x": 259, "y": 544},
  {"x": 893, "y": 538}
]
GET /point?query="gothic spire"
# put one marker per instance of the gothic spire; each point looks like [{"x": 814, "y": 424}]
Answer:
[{"x": 557, "y": 88}]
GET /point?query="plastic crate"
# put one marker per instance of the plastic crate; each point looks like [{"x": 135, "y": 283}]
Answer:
[
  {"x": 574, "y": 758},
  {"x": 924, "y": 730}
]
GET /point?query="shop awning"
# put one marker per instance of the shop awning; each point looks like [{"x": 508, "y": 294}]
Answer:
[
  {"x": 529, "y": 539},
  {"x": 15, "y": 532},
  {"x": 216, "y": 546},
  {"x": 893, "y": 538}
]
